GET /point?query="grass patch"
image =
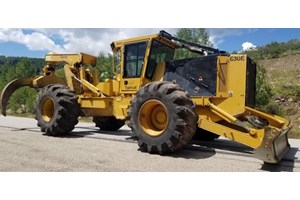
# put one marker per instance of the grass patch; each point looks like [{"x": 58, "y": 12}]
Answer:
[
  {"x": 274, "y": 108},
  {"x": 294, "y": 132}
]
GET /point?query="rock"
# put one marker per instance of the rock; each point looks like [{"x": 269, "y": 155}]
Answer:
[
  {"x": 277, "y": 101},
  {"x": 287, "y": 86},
  {"x": 290, "y": 100}
]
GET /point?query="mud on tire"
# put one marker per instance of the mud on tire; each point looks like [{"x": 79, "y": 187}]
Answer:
[
  {"x": 57, "y": 110},
  {"x": 181, "y": 115}
]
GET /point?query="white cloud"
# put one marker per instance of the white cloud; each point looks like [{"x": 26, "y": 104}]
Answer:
[
  {"x": 216, "y": 35},
  {"x": 216, "y": 41},
  {"x": 248, "y": 46},
  {"x": 33, "y": 41},
  {"x": 76, "y": 40},
  {"x": 93, "y": 40}
]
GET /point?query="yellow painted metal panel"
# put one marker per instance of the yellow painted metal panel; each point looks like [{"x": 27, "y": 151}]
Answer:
[
  {"x": 130, "y": 84},
  {"x": 231, "y": 133},
  {"x": 106, "y": 87},
  {"x": 119, "y": 44},
  {"x": 159, "y": 71},
  {"x": 121, "y": 106},
  {"x": 96, "y": 102},
  {"x": 71, "y": 59}
]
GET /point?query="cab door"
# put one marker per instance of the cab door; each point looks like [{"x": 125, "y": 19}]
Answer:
[{"x": 133, "y": 63}]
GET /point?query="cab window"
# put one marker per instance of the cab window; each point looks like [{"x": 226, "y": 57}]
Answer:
[
  {"x": 134, "y": 59},
  {"x": 159, "y": 53}
]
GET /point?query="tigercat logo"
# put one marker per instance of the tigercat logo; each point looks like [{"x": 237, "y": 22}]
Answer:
[
  {"x": 130, "y": 87},
  {"x": 237, "y": 58}
]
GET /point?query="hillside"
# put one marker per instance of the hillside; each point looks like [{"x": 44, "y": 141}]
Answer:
[{"x": 284, "y": 78}]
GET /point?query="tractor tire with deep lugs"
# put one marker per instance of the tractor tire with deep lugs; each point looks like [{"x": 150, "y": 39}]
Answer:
[
  {"x": 57, "y": 110},
  {"x": 108, "y": 123},
  {"x": 162, "y": 117}
]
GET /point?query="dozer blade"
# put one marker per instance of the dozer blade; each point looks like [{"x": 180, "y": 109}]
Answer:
[
  {"x": 10, "y": 88},
  {"x": 274, "y": 145}
]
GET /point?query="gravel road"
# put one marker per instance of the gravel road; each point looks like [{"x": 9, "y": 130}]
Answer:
[{"x": 24, "y": 148}]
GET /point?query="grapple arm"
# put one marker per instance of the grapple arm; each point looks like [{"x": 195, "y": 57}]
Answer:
[
  {"x": 10, "y": 88},
  {"x": 36, "y": 82}
]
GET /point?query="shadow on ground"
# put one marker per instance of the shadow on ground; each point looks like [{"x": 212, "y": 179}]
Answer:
[
  {"x": 190, "y": 153},
  {"x": 33, "y": 129},
  {"x": 196, "y": 153},
  {"x": 89, "y": 131},
  {"x": 223, "y": 144},
  {"x": 286, "y": 165}
]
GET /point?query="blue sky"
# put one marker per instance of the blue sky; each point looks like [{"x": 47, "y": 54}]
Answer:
[
  {"x": 257, "y": 37},
  {"x": 38, "y": 42}
]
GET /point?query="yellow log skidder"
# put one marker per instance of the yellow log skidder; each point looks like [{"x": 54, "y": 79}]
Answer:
[{"x": 164, "y": 101}]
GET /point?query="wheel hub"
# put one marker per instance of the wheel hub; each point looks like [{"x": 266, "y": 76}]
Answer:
[
  {"x": 153, "y": 117},
  {"x": 47, "y": 109}
]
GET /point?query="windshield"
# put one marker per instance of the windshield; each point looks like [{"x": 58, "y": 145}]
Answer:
[{"x": 159, "y": 53}]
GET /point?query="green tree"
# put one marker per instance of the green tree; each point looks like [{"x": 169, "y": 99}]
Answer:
[
  {"x": 196, "y": 35},
  {"x": 23, "y": 100},
  {"x": 263, "y": 89},
  {"x": 105, "y": 66},
  {"x": 276, "y": 49}
]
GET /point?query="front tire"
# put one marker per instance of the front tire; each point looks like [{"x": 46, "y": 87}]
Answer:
[
  {"x": 57, "y": 110},
  {"x": 162, "y": 117}
]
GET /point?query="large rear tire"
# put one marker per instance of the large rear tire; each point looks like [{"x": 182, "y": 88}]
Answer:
[
  {"x": 108, "y": 123},
  {"x": 162, "y": 117},
  {"x": 57, "y": 110}
]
